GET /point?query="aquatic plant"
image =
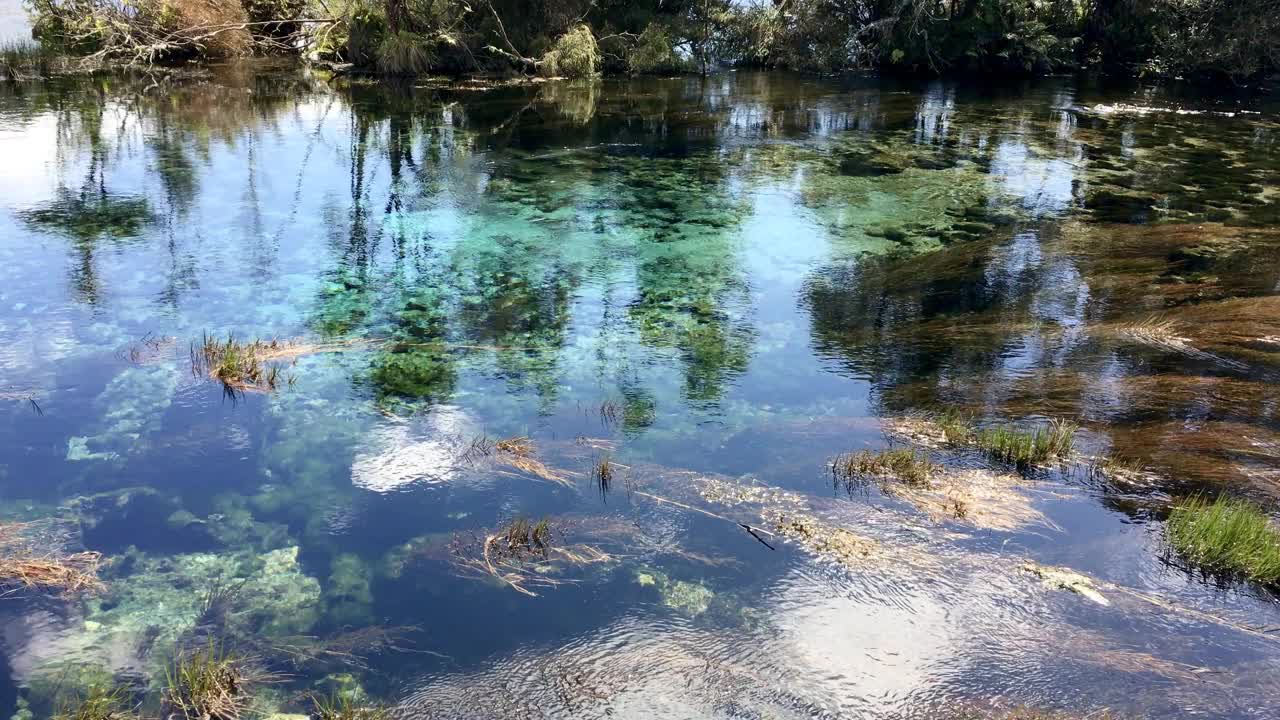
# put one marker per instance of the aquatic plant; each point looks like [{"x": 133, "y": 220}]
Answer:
[
  {"x": 99, "y": 703},
  {"x": 1004, "y": 443},
  {"x": 241, "y": 366},
  {"x": 524, "y": 538},
  {"x": 342, "y": 706},
  {"x": 207, "y": 684},
  {"x": 523, "y": 554},
  {"x": 903, "y": 464},
  {"x": 1025, "y": 448},
  {"x": 1226, "y": 535},
  {"x": 603, "y": 473}
]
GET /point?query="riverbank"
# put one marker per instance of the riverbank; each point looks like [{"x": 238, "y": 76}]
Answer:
[{"x": 996, "y": 38}]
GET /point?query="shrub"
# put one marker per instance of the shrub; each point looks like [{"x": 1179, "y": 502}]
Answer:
[
  {"x": 653, "y": 53},
  {"x": 404, "y": 53},
  {"x": 575, "y": 55}
]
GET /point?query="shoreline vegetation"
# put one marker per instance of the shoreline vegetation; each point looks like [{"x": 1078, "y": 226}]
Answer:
[{"x": 1194, "y": 39}]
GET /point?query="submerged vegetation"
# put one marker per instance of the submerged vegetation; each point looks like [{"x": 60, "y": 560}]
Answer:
[
  {"x": 1228, "y": 536},
  {"x": 1022, "y": 448},
  {"x": 98, "y": 703},
  {"x": 904, "y": 464},
  {"x": 342, "y": 706},
  {"x": 579, "y": 38}
]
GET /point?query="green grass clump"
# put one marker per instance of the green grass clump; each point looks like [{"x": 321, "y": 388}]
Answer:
[
  {"x": 1024, "y": 448},
  {"x": 344, "y": 707},
  {"x": 207, "y": 684},
  {"x": 1226, "y": 535},
  {"x": 240, "y": 366},
  {"x": 98, "y": 704},
  {"x": 902, "y": 464}
]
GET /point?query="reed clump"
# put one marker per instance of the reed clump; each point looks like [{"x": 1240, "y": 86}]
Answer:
[
  {"x": 524, "y": 538},
  {"x": 207, "y": 684},
  {"x": 1226, "y": 535},
  {"x": 904, "y": 464}
]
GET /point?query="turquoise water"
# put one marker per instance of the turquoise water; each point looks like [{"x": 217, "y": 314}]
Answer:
[{"x": 717, "y": 286}]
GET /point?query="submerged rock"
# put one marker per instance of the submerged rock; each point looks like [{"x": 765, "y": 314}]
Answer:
[
  {"x": 1065, "y": 579},
  {"x": 689, "y": 598},
  {"x": 132, "y": 629},
  {"x": 131, "y": 408}
]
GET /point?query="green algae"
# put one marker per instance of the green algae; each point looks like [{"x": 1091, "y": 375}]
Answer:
[{"x": 684, "y": 596}]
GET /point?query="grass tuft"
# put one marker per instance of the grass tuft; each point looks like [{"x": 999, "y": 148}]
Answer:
[
  {"x": 1022, "y": 448},
  {"x": 1027, "y": 447},
  {"x": 98, "y": 704},
  {"x": 901, "y": 464},
  {"x": 1226, "y": 535},
  {"x": 207, "y": 684},
  {"x": 31, "y": 559},
  {"x": 241, "y": 366},
  {"x": 524, "y": 538}
]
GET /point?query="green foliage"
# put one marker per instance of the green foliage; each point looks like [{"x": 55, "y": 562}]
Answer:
[
  {"x": 574, "y": 55},
  {"x": 653, "y": 53},
  {"x": 1226, "y": 535},
  {"x": 1232, "y": 38}
]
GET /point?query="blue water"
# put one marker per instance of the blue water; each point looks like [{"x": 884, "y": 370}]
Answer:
[{"x": 715, "y": 285}]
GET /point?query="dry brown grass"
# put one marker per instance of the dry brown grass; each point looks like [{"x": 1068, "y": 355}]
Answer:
[
  {"x": 195, "y": 14},
  {"x": 524, "y": 555},
  {"x": 31, "y": 558},
  {"x": 518, "y": 453}
]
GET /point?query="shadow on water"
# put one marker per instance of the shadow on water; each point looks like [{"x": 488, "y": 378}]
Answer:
[{"x": 718, "y": 284}]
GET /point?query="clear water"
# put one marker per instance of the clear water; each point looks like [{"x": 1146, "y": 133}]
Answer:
[{"x": 719, "y": 286}]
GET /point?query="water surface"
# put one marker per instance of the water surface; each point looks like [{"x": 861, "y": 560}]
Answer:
[{"x": 718, "y": 285}]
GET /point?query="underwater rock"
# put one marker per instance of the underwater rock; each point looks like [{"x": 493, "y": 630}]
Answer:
[
  {"x": 348, "y": 596},
  {"x": 233, "y": 525},
  {"x": 132, "y": 628},
  {"x": 1064, "y": 579},
  {"x": 131, "y": 408},
  {"x": 138, "y": 516},
  {"x": 341, "y": 685},
  {"x": 689, "y": 598}
]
